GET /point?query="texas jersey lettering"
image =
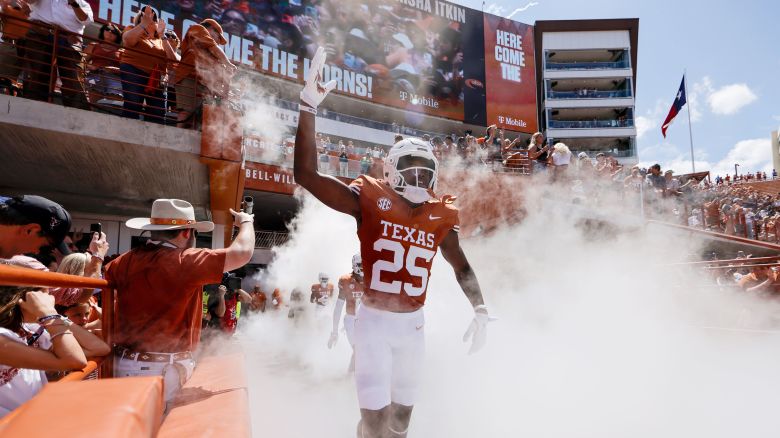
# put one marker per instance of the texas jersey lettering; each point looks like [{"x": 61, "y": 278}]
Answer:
[
  {"x": 398, "y": 243},
  {"x": 351, "y": 291}
]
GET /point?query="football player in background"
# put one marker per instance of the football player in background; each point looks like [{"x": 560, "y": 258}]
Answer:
[
  {"x": 401, "y": 226},
  {"x": 296, "y": 304},
  {"x": 350, "y": 294},
  {"x": 322, "y": 291}
]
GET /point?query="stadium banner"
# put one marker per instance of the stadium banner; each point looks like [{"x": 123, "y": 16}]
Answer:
[
  {"x": 269, "y": 178},
  {"x": 510, "y": 74},
  {"x": 408, "y": 54}
]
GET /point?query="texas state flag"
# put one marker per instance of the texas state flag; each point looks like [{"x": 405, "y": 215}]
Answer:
[{"x": 679, "y": 101}]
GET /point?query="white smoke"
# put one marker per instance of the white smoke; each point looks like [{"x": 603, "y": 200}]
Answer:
[{"x": 597, "y": 337}]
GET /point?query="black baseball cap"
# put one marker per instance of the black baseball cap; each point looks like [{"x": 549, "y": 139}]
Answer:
[{"x": 52, "y": 217}]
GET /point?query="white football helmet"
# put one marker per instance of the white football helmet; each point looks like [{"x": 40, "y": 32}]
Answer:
[
  {"x": 357, "y": 264},
  {"x": 323, "y": 278},
  {"x": 399, "y": 166}
]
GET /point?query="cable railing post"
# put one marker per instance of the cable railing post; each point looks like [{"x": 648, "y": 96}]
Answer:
[
  {"x": 53, "y": 66},
  {"x": 108, "y": 297}
]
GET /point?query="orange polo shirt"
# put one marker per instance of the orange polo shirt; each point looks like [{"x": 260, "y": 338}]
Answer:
[
  {"x": 159, "y": 295},
  {"x": 194, "y": 48}
]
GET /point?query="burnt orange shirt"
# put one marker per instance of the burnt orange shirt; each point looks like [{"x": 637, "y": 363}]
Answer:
[
  {"x": 351, "y": 291},
  {"x": 398, "y": 243},
  {"x": 194, "y": 49},
  {"x": 147, "y": 53},
  {"x": 159, "y": 295}
]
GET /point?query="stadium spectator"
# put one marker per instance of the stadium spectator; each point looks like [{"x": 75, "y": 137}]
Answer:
[
  {"x": 71, "y": 17},
  {"x": 35, "y": 338},
  {"x": 538, "y": 152},
  {"x": 365, "y": 163},
  {"x": 86, "y": 315},
  {"x": 655, "y": 179},
  {"x": 142, "y": 64},
  {"x": 233, "y": 298},
  {"x": 158, "y": 290},
  {"x": 561, "y": 158},
  {"x": 204, "y": 68},
  {"x": 324, "y": 163},
  {"x": 102, "y": 59},
  {"x": 88, "y": 264},
  {"x": 30, "y": 224},
  {"x": 343, "y": 161}
]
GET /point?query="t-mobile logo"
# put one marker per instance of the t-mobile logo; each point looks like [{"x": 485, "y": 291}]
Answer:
[{"x": 500, "y": 119}]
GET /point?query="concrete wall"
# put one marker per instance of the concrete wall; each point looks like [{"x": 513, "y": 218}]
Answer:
[{"x": 608, "y": 39}]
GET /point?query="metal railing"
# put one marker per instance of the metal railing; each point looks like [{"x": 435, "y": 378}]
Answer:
[
  {"x": 359, "y": 121},
  {"x": 270, "y": 239},
  {"x": 52, "y": 65},
  {"x": 18, "y": 276},
  {"x": 579, "y": 124},
  {"x": 588, "y": 94},
  {"x": 586, "y": 65}
]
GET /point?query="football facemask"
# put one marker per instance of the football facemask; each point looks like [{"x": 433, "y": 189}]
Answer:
[
  {"x": 411, "y": 169},
  {"x": 357, "y": 265}
]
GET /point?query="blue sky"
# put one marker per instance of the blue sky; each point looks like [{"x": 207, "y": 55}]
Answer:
[{"x": 731, "y": 51}]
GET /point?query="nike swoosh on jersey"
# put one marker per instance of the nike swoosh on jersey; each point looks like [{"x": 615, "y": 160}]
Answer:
[{"x": 433, "y": 218}]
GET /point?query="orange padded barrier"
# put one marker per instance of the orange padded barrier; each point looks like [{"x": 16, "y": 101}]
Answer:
[
  {"x": 213, "y": 403},
  {"x": 130, "y": 407}
]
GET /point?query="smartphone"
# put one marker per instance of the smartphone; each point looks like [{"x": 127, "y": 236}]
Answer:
[{"x": 95, "y": 228}]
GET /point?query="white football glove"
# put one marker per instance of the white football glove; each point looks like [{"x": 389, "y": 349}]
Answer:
[
  {"x": 477, "y": 331},
  {"x": 334, "y": 338},
  {"x": 314, "y": 91},
  {"x": 323, "y": 300}
]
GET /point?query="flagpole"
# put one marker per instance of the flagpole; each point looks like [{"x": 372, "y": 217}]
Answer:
[{"x": 690, "y": 129}]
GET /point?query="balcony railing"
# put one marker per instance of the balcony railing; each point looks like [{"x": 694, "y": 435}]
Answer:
[
  {"x": 270, "y": 239},
  {"x": 586, "y": 65},
  {"x": 581, "y": 124},
  {"x": 588, "y": 94},
  {"x": 359, "y": 121}
]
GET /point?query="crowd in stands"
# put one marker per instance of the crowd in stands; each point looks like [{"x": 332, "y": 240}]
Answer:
[{"x": 144, "y": 69}]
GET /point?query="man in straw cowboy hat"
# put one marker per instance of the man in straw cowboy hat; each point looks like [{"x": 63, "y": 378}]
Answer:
[{"x": 158, "y": 290}]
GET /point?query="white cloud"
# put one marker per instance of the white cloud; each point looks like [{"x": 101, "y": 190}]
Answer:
[
  {"x": 644, "y": 125},
  {"x": 495, "y": 9},
  {"x": 752, "y": 155},
  {"x": 699, "y": 92},
  {"x": 730, "y": 99}
]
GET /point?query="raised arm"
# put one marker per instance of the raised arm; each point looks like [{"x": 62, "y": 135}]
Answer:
[{"x": 330, "y": 190}]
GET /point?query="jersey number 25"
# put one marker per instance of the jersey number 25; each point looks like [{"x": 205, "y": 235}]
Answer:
[{"x": 400, "y": 262}]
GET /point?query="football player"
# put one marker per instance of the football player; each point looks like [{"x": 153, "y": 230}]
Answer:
[
  {"x": 296, "y": 304},
  {"x": 322, "y": 291},
  {"x": 350, "y": 293},
  {"x": 401, "y": 226}
]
